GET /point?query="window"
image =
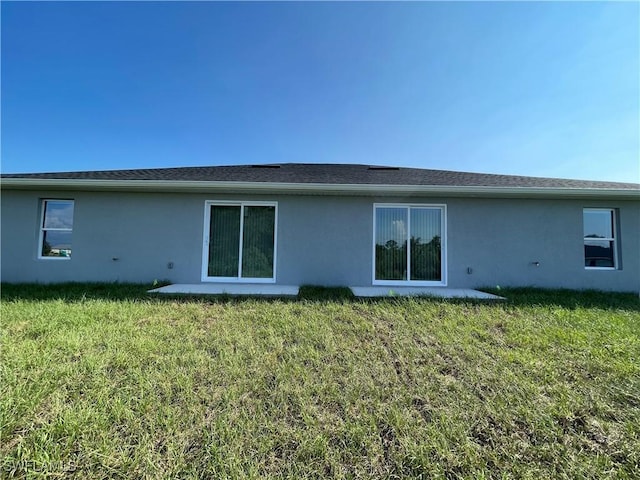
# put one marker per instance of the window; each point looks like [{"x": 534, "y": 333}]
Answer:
[
  {"x": 409, "y": 244},
  {"x": 56, "y": 229},
  {"x": 239, "y": 241},
  {"x": 600, "y": 249}
]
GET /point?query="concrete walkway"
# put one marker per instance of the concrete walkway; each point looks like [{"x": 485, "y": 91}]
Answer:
[{"x": 271, "y": 290}]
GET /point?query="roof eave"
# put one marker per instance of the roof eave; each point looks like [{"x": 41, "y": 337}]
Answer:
[{"x": 312, "y": 188}]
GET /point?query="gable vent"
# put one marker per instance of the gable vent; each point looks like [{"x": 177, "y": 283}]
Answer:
[
  {"x": 379, "y": 167},
  {"x": 267, "y": 165}
]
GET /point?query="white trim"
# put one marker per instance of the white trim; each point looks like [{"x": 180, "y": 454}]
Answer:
[
  {"x": 316, "y": 188},
  {"x": 42, "y": 228},
  {"x": 275, "y": 242},
  {"x": 408, "y": 209},
  {"x": 443, "y": 247},
  {"x": 205, "y": 242},
  {"x": 614, "y": 239}
]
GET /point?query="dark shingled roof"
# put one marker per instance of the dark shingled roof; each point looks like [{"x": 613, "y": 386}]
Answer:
[{"x": 339, "y": 174}]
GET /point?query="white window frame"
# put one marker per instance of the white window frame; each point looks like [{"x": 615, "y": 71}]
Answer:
[
  {"x": 205, "y": 241},
  {"x": 443, "y": 246},
  {"x": 614, "y": 239},
  {"x": 42, "y": 229}
]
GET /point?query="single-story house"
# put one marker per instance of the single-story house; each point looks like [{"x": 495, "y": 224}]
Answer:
[{"x": 272, "y": 228}]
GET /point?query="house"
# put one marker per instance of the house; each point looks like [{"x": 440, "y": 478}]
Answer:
[{"x": 272, "y": 228}]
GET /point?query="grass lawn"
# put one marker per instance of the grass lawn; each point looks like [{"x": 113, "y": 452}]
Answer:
[{"x": 105, "y": 381}]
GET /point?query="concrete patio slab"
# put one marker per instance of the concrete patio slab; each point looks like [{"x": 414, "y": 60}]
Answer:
[
  {"x": 442, "y": 292},
  {"x": 229, "y": 289}
]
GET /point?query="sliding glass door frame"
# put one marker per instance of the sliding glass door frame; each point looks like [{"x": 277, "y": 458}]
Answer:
[
  {"x": 206, "y": 240},
  {"x": 443, "y": 246}
]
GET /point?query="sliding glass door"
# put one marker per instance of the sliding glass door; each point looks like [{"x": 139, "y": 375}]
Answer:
[
  {"x": 240, "y": 241},
  {"x": 408, "y": 244}
]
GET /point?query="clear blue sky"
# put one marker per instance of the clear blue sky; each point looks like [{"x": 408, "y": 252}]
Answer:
[{"x": 543, "y": 89}]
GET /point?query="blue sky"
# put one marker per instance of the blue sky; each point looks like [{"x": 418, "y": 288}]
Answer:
[{"x": 543, "y": 89}]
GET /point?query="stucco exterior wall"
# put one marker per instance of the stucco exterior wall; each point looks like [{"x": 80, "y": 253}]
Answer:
[{"x": 322, "y": 240}]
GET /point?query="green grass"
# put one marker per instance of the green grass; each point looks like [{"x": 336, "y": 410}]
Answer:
[{"x": 105, "y": 381}]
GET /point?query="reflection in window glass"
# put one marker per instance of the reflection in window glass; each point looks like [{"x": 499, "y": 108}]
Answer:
[
  {"x": 408, "y": 243},
  {"x": 56, "y": 229},
  {"x": 599, "y": 254},
  {"x": 599, "y": 238},
  {"x": 391, "y": 243},
  {"x": 598, "y": 224}
]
